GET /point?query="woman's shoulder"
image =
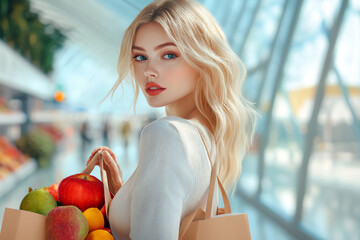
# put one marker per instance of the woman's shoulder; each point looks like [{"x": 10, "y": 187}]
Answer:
[
  {"x": 166, "y": 138},
  {"x": 167, "y": 126},
  {"x": 172, "y": 127}
]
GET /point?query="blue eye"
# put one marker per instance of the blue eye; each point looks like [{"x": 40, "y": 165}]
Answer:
[
  {"x": 139, "y": 58},
  {"x": 170, "y": 56}
]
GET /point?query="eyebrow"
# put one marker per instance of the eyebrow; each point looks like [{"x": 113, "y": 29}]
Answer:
[{"x": 155, "y": 48}]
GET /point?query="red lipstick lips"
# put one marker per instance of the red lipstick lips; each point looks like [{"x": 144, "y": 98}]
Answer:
[{"x": 153, "y": 89}]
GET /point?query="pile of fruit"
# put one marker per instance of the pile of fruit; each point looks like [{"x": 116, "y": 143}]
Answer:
[
  {"x": 3, "y": 106},
  {"x": 10, "y": 157},
  {"x": 38, "y": 144},
  {"x": 74, "y": 208},
  {"x": 54, "y": 131}
]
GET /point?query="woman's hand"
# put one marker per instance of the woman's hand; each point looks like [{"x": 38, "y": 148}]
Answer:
[{"x": 111, "y": 166}]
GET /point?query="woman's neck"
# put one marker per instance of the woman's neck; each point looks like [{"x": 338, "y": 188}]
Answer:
[
  {"x": 183, "y": 108},
  {"x": 196, "y": 116},
  {"x": 187, "y": 109}
]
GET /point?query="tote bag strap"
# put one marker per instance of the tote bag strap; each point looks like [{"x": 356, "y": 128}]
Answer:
[
  {"x": 98, "y": 157},
  {"x": 198, "y": 213},
  {"x": 209, "y": 203}
]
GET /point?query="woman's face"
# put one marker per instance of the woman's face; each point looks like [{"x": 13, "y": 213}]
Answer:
[{"x": 161, "y": 72}]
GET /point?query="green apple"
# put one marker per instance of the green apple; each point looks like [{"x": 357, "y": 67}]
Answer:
[{"x": 38, "y": 201}]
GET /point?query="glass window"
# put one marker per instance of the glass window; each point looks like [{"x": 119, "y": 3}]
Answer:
[
  {"x": 249, "y": 177},
  {"x": 262, "y": 34},
  {"x": 233, "y": 16},
  {"x": 331, "y": 201},
  {"x": 347, "y": 55},
  {"x": 293, "y": 105},
  {"x": 239, "y": 34},
  {"x": 256, "y": 52},
  {"x": 282, "y": 159}
]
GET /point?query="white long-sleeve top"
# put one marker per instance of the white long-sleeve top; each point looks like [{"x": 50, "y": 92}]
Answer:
[{"x": 171, "y": 181}]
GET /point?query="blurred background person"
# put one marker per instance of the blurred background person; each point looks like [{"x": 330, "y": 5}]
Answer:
[
  {"x": 106, "y": 133},
  {"x": 125, "y": 132},
  {"x": 86, "y": 139}
]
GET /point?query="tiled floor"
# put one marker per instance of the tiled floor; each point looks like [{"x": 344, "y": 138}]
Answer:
[{"x": 68, "y": 160}]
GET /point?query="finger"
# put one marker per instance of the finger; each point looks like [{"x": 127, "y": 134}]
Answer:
[
  {"x": 92, "y": 163},
  {"x": 107, "y": 149},
  {"x": 111, "y": 163},
  {"x": 113, "y": 169},
  {"x": 112, "y": 154},
  {"x": 93, "y": 154}
]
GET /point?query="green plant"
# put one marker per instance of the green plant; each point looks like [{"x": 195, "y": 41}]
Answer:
[{"x": 22, "y": 30}]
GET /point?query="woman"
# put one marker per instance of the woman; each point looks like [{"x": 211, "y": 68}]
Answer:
[{"x": 180, "y": 59}]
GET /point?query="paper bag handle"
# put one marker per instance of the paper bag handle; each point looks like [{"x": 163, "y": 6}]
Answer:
[
  {"x": 209, "y": 203},
  {"x": 98, "y": 157},
  {"x": 198, "y": 213}
]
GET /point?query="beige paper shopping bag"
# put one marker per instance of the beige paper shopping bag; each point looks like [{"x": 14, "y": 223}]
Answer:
[
  {"x": 200, "y": 225},
  {"x": 21, "y": 225}
]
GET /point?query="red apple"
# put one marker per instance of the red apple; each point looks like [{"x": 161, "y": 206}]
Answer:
[
  {"x": 81, "y": 190},
  {"x": 106, "y": 229},
  {"x": 53, "y": 190}
]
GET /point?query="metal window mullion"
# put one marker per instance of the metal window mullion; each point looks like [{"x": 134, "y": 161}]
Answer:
[
  {"x": 258, "y": 67},
  {"x": 237, "y": 23},
  {"x": 297, "y": 132},
  {"x": 312, "y": 126},
  {"x": 271, "y": 55},
  {"x": 226, "y": 16},
  {"x": 346, "y": 97},
  {"x": 348, "y": 102},
  {"x": 295, "y": 7},
  {"x": 132, "y": 4},
  {"x": 249, "y": 27}
]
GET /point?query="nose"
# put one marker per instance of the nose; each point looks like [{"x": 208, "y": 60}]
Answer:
[{"x": 150, "y": 70}]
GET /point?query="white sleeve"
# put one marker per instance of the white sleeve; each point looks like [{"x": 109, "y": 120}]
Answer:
[{"x": 164, "y": 178}]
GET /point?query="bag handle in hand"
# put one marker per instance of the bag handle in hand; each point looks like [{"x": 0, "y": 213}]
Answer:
[{"x": 98, "y": 157}]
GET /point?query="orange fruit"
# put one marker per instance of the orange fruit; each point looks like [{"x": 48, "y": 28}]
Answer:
[
  {"x": 99, "y": 234},
  {"x": 95, "y": 218}
]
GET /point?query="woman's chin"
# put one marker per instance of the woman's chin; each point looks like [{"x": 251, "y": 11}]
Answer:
[{"x": 155, "y": 105}]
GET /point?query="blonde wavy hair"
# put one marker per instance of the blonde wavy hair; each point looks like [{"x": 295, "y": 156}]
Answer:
[{"x": 218, "y": 96}]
